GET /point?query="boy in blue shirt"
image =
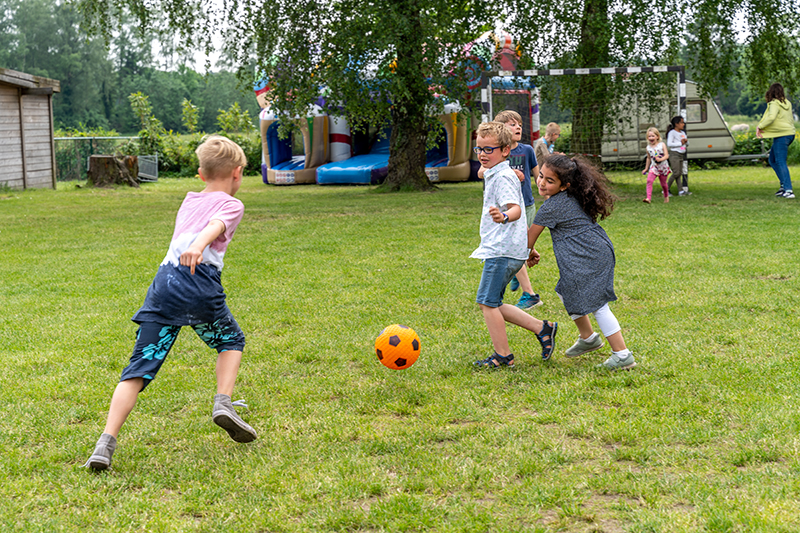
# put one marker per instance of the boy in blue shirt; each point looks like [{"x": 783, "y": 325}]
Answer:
[
  {"x": 522, "y": 160},
  {"x": 503, "y": 246}
]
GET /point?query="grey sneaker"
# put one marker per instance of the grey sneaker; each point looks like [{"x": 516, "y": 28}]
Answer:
[
  {"x": 615, "y": 362},
  {"x": 582, "y": 346},
  {"x": 101, "y": 457},
  {"x": 528, "y": 301},
  {"x": 225, "y": 417}
]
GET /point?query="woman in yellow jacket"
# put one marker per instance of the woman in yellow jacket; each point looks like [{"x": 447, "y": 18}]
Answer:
[{"x": 778, "y": 124}]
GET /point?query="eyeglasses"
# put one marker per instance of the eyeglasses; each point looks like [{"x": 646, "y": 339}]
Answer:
[{"x": 485, "y": 149}]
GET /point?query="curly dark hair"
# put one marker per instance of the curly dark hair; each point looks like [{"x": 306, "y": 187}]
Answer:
[
  {"x": 586, "y": 183},
  {"x": 775, "y": 92}
]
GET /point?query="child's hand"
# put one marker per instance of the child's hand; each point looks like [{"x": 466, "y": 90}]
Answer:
[
  {"x": 644, "y": 172},
  {"x": 191, "y": 258},
  {"x": 533, "y": 258},
  {"x": 496, "y": 214},
  {"x": 520, "y": 175}
]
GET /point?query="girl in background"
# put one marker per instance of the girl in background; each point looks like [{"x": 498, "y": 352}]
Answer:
[
  {"x": 656, "y": 164},
  {"x": 676, "y": 142}
]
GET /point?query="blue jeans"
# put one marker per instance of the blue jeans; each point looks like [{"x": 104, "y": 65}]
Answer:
[
  {"x": 777, "y": 160},
  {"x": 497, "y": 272}
]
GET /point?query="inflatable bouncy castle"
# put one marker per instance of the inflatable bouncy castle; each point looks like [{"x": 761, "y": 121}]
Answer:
[
  {"x": 330, "y": 153},
  {"x": 279, "y": 166},
  {"x": 369, "y": 165},
  {"x": 449, "y": 160},
  {"x": 323, "y": 139}
]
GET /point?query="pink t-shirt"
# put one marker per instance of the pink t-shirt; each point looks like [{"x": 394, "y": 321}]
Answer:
[{"x": 197, "y": 210}]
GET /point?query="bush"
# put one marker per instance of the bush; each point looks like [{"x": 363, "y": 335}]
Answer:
[
  {"x": 178, "y": 156},
  {"x": 794, "y": 151},
  {"x": 251, "y": 144},
  {"x": 747, "y": 144}
]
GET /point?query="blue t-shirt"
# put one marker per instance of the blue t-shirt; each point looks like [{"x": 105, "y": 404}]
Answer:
[{"x": 523, "y": 158}]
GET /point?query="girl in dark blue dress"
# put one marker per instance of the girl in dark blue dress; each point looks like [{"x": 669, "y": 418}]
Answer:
[{"x": 577, "y": 195}]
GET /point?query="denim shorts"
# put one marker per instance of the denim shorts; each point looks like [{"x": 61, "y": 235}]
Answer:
[
  {"x": 154, "y": 341},
  {"x": 497, "y": 273}
]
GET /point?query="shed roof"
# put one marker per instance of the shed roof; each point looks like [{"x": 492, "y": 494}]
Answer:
[{"x": 28, "y": 81}]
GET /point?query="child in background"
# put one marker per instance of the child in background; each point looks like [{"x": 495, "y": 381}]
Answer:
[
  {"x": 522, "y": 161},
  {"x": 546, "y": 145},
  {"x": 187, "y": 291},
  {"x": 503, "y": 247},
  {"x": 577, "y": 196},
  {"x": 676, "y": 142},
  {"x": 656, "y": 164}
]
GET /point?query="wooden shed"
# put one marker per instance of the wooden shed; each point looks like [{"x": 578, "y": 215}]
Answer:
[{"x": 27, "y": 154}]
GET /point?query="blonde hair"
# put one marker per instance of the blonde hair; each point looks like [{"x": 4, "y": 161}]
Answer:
[
  {"x": 497, "y": 130},
  {"x": 218, "y": 156},
  {"x": 654, "y": 130},
  {"x": 507, "y": 116},
  {"x": 552, "y": 128}
]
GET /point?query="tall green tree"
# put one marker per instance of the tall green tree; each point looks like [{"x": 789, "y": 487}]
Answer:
[
  {"x": 43, "y": 37},
  {"x": 711, "y": 36},
  {"x": 375, "y": 62}
]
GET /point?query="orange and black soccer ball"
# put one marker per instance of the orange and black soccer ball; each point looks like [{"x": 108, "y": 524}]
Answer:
[{"x": 397, "y": 347}]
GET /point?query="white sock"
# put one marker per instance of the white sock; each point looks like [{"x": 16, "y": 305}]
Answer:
[
  {"x": 591, "y": 337},
  {"x": 622, "y": 354}
]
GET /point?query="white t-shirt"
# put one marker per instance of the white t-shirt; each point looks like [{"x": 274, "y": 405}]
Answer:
[
  {"x": 502, "y": 240},
  {"x": 674, "y": 141}
]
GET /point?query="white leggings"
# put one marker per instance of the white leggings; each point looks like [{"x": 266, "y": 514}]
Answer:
[{"x": 605, "y": 319}]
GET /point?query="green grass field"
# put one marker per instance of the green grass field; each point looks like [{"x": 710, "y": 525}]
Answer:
[{"x": 703, "y": 435}]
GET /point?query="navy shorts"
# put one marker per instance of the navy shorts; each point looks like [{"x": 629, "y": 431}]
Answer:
[
  {"x": 497, "y": 273},
  {"x": 154, "y": 341}
]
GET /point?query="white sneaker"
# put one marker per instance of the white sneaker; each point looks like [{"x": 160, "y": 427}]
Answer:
[
  {"x": 618, "y": 362},
  {"x": 788, "y": 194}
]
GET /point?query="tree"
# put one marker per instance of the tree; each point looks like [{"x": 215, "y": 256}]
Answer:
[
  {"x": 767, "y": 43},
  {"x": 373, "y": 61},
  {"x": 599, "y": 33},
  {"x": 42, "y": 37}
]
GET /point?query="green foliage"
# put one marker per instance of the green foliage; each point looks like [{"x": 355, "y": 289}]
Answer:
[
  {"x": 251, "y": 145},
  {"x": 770, "y": 50},
  {"x": 189, "y": 116},
  {"x": 178, "y": 156},
  {"x": 234, "y": 120},
  {"x": 152, "y": 130},
  {"x": 42, "y": 37}
]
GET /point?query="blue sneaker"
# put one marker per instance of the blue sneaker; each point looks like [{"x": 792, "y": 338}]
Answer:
[
  {"x": 528, "y": 301},
  {"x": 514, "y": 284}
]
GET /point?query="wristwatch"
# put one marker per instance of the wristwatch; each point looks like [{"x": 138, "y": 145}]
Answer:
[{"x": 505, "y": 218}]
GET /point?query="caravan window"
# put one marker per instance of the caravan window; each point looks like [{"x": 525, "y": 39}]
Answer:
[{"x": 696, "y": 111}]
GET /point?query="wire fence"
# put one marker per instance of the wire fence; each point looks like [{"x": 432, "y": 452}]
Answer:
[{"x": 72, "y": 153}]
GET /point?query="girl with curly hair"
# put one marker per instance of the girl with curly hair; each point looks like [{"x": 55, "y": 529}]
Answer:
[{"x": 577, "y": 196}]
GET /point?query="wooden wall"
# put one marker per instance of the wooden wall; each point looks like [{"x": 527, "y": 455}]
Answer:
[
  {"x": 10, "y": 138},
  {"x": 26, "y": 128}
]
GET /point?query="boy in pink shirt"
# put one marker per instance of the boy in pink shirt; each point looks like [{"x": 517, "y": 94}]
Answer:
[{"x": 187, "y": 291}]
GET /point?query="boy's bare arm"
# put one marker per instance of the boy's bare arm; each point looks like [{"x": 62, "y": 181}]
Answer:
[
  {"x": 513, "y": 211},
  {"x": 193, "y": 256}
]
